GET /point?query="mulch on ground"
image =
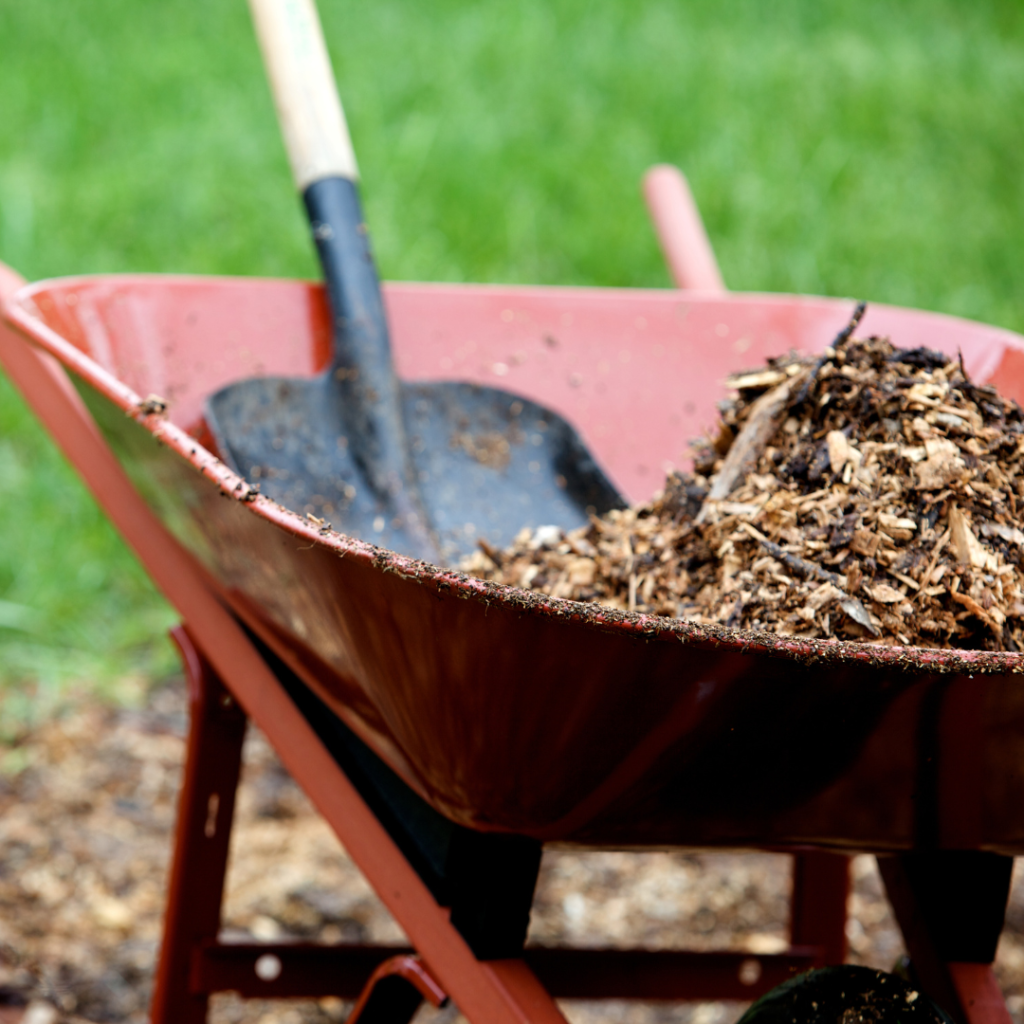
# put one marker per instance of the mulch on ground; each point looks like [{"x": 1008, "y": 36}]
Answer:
[{"x": 87, "y": 808}]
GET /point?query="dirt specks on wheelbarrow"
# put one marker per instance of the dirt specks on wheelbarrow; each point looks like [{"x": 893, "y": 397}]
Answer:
[{"x": 873, "y": 494}]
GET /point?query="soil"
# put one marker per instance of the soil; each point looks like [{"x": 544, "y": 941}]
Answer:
[
  {"x": 87, "y": 805},
  {"x": 872, "y": 494}
]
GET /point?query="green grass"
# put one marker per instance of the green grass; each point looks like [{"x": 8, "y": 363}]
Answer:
[{"x": 867, "y": 149}]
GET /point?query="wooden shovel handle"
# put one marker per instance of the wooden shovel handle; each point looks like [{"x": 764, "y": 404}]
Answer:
[{"x": 308, "y": 108}]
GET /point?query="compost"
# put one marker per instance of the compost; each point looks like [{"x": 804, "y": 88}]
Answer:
[{"x": 871, "y": 493}]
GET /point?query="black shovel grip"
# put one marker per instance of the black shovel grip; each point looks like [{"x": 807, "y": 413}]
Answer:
[
  {"x": 363, "y": 383},
  {"x": 343, "y": 245}
]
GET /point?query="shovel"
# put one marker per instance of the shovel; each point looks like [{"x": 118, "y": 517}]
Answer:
[{"x": 428, "y": 470}]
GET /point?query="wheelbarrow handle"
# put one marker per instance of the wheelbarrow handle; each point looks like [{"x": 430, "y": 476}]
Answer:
[{"x": 308, "y": 108}]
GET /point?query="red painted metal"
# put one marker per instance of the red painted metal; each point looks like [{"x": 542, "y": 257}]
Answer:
[
  {"x": 821, "y": 885},
  {"x": 302, "y": 970},
  {"x": 979, "y": 994},
  {"x": 309, "y": 970},
  {"x": 680, "y": 230},
  {"x": 205, "y": 807},
  {"x": 665, "y": 975},
  {"x": 395, "y": 992}
]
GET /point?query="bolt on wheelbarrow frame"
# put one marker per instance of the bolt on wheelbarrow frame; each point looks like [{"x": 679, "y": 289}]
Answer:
[{"x": 429, "y": 727}]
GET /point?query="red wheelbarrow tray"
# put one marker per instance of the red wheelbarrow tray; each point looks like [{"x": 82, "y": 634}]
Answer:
[{"x": 512, "y": 711}]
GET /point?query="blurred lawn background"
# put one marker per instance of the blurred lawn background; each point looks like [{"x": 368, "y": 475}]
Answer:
[{"x": 835, "y": 147}]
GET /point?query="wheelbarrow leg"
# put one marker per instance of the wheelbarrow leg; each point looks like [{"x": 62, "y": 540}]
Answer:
[
  {"x": 950, "y": 905},
  {"x": 821, "y": 885},
  {"x": 205, "y": 809}
]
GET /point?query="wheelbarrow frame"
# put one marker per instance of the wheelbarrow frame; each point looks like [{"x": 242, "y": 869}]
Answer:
[{"x": 230, "y": 680}]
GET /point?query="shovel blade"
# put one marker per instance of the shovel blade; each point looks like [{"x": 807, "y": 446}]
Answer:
[
  {"x": 485, "y": 463},
  {"x": 489, "y": 463}
]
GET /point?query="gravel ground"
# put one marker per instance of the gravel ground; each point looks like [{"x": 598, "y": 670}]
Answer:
[{"x": 87, "y": 808}]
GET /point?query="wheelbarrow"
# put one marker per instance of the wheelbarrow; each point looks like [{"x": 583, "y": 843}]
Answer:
[{"x": 447, "y": 728}]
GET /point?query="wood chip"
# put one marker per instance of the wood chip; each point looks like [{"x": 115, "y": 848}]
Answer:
[
  {"x": 750, "y": 443},
  {"x": 969, "y": 549},
  {"x": 838, "y": 450},
  {"x": 942, "y": 465}
]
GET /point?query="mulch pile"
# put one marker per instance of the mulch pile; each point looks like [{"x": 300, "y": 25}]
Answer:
[{"x": 873, "y": 493}]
